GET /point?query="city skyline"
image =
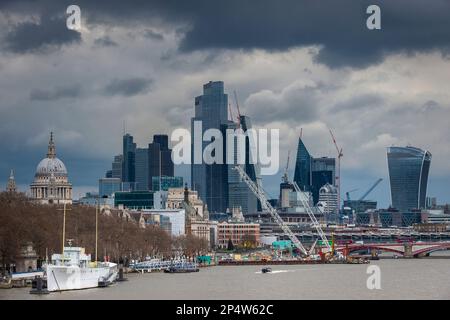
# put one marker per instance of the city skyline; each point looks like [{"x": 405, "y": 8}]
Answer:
[{"x": 372, "y": 93}]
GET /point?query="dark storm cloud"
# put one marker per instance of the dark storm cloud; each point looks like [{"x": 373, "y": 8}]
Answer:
[
  {"x": 105, "y": 42},
  {"x": 71, "y": 91},
  {"x": 128, "y": 87},
  {"x": 48, "y": 33},
  {"x": 337, "y": 27}
]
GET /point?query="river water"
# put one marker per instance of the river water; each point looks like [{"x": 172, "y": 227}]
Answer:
[{"x": 400, "y": 279}]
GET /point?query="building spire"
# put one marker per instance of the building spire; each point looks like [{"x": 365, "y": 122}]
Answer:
[
  {"x": 51, "y": 147},
  {"x": 11, "y": 187}
]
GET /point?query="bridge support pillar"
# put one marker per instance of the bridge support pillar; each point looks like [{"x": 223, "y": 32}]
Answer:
[{"x": 408, "y": 251}]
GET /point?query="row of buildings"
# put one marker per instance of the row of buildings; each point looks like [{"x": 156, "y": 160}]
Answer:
[{"x": 142, "y": 181}]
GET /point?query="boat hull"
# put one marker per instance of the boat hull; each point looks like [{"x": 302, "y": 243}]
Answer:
[{"x": 60, "y": 278}]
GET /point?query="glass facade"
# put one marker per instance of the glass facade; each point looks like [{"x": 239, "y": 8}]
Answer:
[
  {"x": 408, "y": 176},
  {"x": 210, "y": 181},
  {"x": 128, "y": 164},
  {"x": 134, "y": 199},
  {"x": 141, "y": 169},
  {"x": 108, "y": 186},
  {"x": 310, "y": 173},
  {"x": 166, "y": 183},
  {"x": 159, "y": 158},
  {"x": 302, "y": 173}
]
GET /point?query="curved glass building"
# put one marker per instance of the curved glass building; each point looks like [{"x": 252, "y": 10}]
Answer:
[{"x": 408, "y": 176}]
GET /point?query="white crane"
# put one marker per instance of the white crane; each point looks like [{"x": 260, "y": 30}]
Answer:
[
  {"x": 311, "y": 215},
  {"x": 260, "y": 194}
]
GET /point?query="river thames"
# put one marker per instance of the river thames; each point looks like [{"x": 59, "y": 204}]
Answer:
[{"x": 400, "y": 279}]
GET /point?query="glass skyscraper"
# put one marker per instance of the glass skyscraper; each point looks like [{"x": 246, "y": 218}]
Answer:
[
  {"x": 210, "y": 180},
  {"x": 310, "y": 173},
  {"x": 128, "y": 162},
  {"x": 141, "y": 169},
  {"x": 159, "y": 158},
  {"x": 302, "y": 173},
  {"x": 408, "y": 176}
]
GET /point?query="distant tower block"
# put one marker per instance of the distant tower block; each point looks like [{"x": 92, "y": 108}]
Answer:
[{"x": 11, "y": 187}]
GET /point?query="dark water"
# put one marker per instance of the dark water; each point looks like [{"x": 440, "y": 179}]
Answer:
[{"x": 400, "y": 279}]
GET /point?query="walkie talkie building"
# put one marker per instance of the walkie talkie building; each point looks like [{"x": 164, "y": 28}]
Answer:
[{"x": 408, "y": 176}]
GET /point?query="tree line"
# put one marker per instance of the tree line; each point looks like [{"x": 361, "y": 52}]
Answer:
[{"x": 23, "y": 221}]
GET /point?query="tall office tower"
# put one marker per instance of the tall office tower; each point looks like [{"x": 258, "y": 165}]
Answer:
[
  {"x": 162, "y": 140},
  {"x": 210, "y": 180},
  {"x": 159, "y": 159},
  {"x": 408, "y": 176},
  {"x": 128, "y": 164},
  {"x": 117, "y": 167},
  {"x": 323, "y": 171},
  {"x": 239, "y": 195},
  {"x": 311, "y": 174},
  {"x": 302, "y": 173},
  {"x": 141, "y": 169}
]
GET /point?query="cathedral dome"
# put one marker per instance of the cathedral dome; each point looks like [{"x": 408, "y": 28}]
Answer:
[
  {"x": 51, "y": 165},
  {"x": 48, "y": 166}
]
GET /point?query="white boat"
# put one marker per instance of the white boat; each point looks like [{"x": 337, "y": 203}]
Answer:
[{"x": 74, "y": 270}]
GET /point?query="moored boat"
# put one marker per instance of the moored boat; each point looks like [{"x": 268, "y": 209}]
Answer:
[{"x": 74, "y": 270}]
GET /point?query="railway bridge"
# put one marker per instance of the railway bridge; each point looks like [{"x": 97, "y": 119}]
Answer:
[{"x": 406, "y": 249}]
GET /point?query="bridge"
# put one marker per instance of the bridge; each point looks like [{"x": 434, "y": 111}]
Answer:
[{"x": 406, "y": 249}]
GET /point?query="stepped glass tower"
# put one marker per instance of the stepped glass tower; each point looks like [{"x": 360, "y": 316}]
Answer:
[{"x": 51, "y": 184}]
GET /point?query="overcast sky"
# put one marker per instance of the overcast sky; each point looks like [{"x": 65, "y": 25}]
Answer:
[{"x": 294, "y": 64}]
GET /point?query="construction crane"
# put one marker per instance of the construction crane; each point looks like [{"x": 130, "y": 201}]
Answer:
[
  {"x": 347, "y": 194},
  {"x": 311, "y": 215},
  {"x": 285, "y": 175},
  {"x": 338, "y": 174},
  {"x": 370, "y": 189},
  {"x": 260, "y": 194},
  {"x": 238, "y": 110}
]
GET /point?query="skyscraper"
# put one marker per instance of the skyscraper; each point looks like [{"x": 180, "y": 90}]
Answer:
[
  {"x": 159, "y": 158},
  {"x": 117, "y": 167},
  {"x": 239, "y": 195},
  {"x": 142, "y": 169},
  {"x": 408, "y": 176},
  {"x": 310, "y": 173},
  {"x": 210, "y": 180},
  {"x": 302, "y": 173},
  {"x": 128, "y": 164},
  {"x": 323, "y": 171}
]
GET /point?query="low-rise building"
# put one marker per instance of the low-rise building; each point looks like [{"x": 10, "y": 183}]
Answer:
[
  {"x": 430, "y": 227},
  {"x": 238, "y": 233}
]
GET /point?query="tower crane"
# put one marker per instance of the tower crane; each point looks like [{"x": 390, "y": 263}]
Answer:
[
  {"x": 347, "y": 194},
  {"x": 260, "y": 194},
  {"x": 338, "y": 174},
  {"x": 238, "y": 110},
  {"x": 285, "y": 175}
]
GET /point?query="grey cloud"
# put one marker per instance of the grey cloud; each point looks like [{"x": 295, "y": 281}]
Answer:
[
  {"x": 297, "y": 103},
  {"x": 49, "y": 33},
  {"x": 56, "y": 93},
  {"x": 338, "y": 29},
  {"x": 128, "y": 87},
  {"x": 105, "y": 41},
  {"x": 359, "y": 102},
  {"x": 151, "y": 34}
]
